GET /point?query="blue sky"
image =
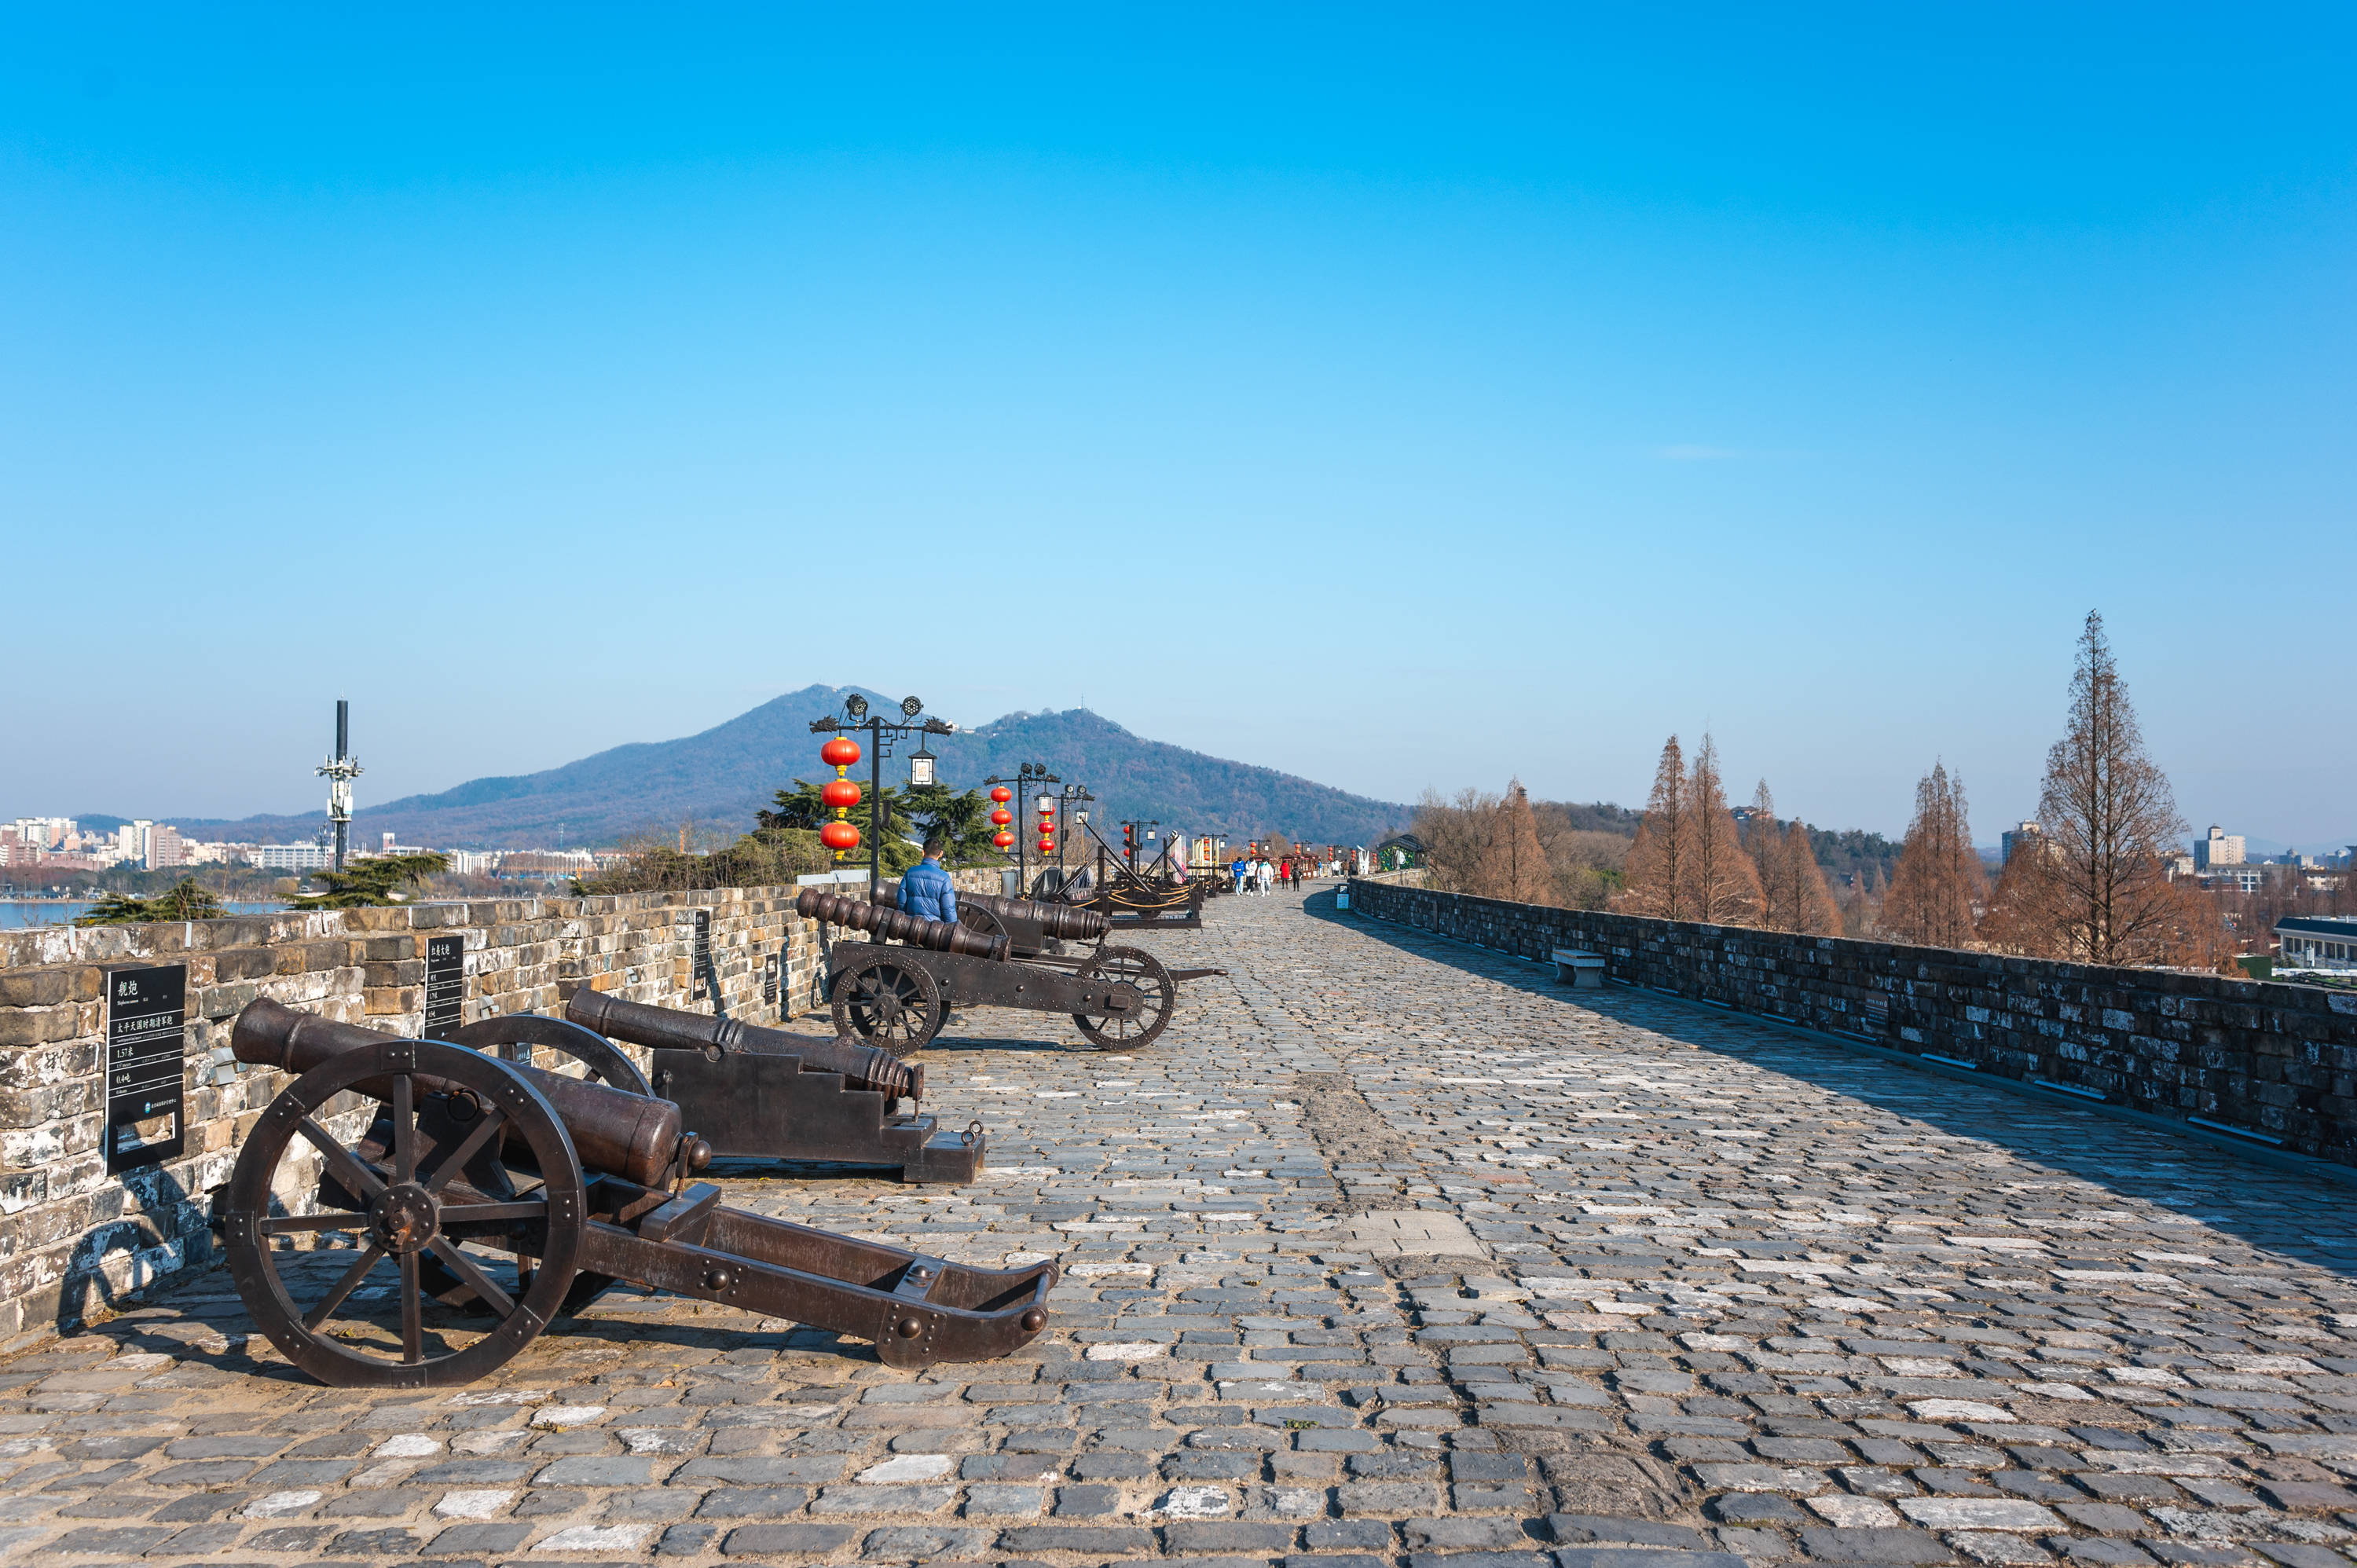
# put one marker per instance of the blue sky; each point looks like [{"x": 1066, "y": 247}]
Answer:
[{"x": 1398, "y": 398}]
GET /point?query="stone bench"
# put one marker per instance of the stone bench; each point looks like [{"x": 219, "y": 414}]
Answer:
[{"x": 1583, "y": 969}]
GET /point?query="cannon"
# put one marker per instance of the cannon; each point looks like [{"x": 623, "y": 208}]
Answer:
[
  {"x": 502, "y": 1196},
  {"x": 1031, "y": 925},
  {"x": 1004, "y": 954},
  {"x": 1159, "y": 897},
  {"x": 759, "y": 1092}
]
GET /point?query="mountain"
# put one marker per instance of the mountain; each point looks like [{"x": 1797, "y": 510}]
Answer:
[{"x": 720, "y": 777}]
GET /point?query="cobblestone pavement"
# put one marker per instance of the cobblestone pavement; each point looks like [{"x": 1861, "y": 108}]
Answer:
[{"x": 1719, "y": 1292}]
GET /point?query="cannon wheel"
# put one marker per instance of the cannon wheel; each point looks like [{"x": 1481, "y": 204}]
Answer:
[
  {"x": 608, "y": 1065},
  {"x": 405, "y": 1221},
  {"x": 604, "y": 1061},
  {"x": 974, "y": 918},
  {"x": 1113, "y": 1032},
  {"x": 895, "y": 1006}
]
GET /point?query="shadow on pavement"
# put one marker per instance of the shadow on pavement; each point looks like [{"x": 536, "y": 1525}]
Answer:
[{"x": 2258, "y": 1204}]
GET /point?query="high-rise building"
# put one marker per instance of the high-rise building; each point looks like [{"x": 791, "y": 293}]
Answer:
[
  {"x": 165, "y": 848},
  {"x": 2015, "y": 837},
  {"x": 2217, "y": 848}
]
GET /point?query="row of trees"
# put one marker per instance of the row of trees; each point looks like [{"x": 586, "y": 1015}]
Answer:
[
  {"x": 1692, "y": 860},
  {"x": 2094, "y": 887}
]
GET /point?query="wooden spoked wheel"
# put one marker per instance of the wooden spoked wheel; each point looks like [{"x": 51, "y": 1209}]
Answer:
[
  {"x": 438, "y": 1168},
  {"x": 895, "y": 1006},
  {"x": 606, "y": 1062},
  {"x": 1123, "y": 1031}
]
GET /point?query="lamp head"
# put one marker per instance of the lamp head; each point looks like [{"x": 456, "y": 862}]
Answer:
[
  {"x": 856, "y": 706},
  {"x": 911, "y": 706}
]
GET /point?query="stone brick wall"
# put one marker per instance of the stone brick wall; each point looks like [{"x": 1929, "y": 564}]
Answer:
[
  {"x": 2279, "y": 1061},
  {"x": 73, "y": 1238}
]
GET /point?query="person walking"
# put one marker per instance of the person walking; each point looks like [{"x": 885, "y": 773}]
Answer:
[
  {"x": 1284, "y": 874},
  {"x": 1236, "y": 869}
]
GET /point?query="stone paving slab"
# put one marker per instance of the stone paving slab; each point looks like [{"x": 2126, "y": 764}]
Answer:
[{"x": 1722, "y": 1294}]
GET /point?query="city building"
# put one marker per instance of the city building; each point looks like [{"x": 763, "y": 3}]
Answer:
[
  {"x": 2015, "y": 837},
  {"x": 292, "y": 857},
  {"x": 2316, "y": 941},
  {"x": 165, "y": 849},
  {"x": 474, "y": 862},
  {"x": 2217, "y": 848}
]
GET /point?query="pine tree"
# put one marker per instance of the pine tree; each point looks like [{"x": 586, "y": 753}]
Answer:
[
  {"x": 1793, "y": 892},
  {"x": 1722, "y": 886},
  {"x": 1934, "y": 896},
  {"x": 2101, "y": 893},
  {"x": 1808, "y": 901},
  {"x": 1764, "y": 842},
  {"x": 1513, "y": 863},
  {"x": 1653, "y": 883}
]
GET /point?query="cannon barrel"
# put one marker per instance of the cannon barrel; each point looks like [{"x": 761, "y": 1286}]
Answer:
[
  {"x": 629, "y": 1135},
  {"x": 1062, "y": 920},
  {"x": 883, "y": 920},
  {"x": 666, "y": 1028}
]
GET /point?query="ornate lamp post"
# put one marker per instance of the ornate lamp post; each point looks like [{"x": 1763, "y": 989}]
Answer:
[
  {"x": 1026, "y": 776},
  {"x": 840, "y": 753},
  {"x": 1072, "y": 810}
]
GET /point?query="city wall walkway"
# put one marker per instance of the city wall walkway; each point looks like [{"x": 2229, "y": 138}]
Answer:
[{"x": 1391, "y": 1249}]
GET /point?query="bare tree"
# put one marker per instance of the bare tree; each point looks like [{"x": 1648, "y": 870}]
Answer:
[
  {"x": 2101, "y": 893},
  {"x": 1455, "y": 833},
  {"x": 1514, "y": 864},
  {"x": 1586, "y": 862},
  {"x": 1655, "y": 874},
  {"x": 1722, "y": 884},
  {"x": 1792, "y": 893},
  {"x": 1935, "y": 896}
]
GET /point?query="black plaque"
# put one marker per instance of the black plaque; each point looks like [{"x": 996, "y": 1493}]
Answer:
[
  {"x": 770, "y": 967},
  {"x": 445, "y": 984},
  {"x": 146, "y": 1050}
]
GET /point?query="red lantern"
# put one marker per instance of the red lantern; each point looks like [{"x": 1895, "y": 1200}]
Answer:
[
  {"x": 1001, "y": 816},
  {"x": 839, "y": 837},
  {"x": 1004, "y": 839},
  {"x": 1001, "y": 795},
  {"x": 840, "y": 792},
  {"x": 1047, "y": 846},
  {"x": 840, "y": 752}
]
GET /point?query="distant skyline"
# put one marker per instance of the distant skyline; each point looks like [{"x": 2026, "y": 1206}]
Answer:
[{"x": 1431, "y": 400}]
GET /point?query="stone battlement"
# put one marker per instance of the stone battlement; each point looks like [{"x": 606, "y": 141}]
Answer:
[{"x": 73, "y": 1238}]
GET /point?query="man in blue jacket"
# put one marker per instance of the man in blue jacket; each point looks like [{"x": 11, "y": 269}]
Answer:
[{"x": 926, "y": 889}]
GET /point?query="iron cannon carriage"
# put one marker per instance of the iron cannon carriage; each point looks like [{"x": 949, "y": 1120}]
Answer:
[
  {"x": 760, "y": 1092},
  {"x": 897, "y": 989},
  {"x": 514, "y": 1195}
]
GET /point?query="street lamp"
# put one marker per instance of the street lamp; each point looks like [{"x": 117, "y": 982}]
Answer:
[
  {"x": 1026, "y": 777},
  {"x": 841, "y": 752}
]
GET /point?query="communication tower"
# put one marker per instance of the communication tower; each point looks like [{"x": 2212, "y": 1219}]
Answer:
[{"x": 340, "y": 770}]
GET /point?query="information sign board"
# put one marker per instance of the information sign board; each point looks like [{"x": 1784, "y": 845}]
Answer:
[
  {"x": 146, "y": 1051},
  {"x": 445, "y": 984}
]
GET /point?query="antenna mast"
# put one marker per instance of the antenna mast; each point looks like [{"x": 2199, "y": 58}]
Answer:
[{"x": 340, "y": 770}]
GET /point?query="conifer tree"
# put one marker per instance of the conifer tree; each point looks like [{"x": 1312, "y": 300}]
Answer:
[
  {"x": 1513, "y": 863},
  {"x": 2100, "y": 891},
  {"x": 1807, "y": 900},
  {"x": 1935, "y": 894},
  {"x": 1765, "y": 844},
  {"x": 1793, "y": 892},
  {"x": 1722, "y": 886},
  {"x": 1652, "y": 881}
]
